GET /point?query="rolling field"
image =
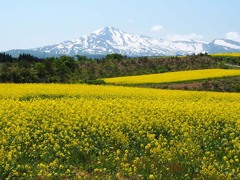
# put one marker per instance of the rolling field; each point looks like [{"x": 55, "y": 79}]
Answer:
[
  {"x": 106, "y": 132},
  {"x": 227, "y": 54},
  {"x": 173, "y": 76}
]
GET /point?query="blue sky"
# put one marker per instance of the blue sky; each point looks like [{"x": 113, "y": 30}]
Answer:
[{"x": 34, "y": 23}]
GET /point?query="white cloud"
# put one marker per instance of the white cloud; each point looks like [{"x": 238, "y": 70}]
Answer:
[
  {"x": 130, "y": 21},
  {"x": 156, "y": 28},
  {"x": 233, "y": 36},
  {"x": 178, "y": 37}
]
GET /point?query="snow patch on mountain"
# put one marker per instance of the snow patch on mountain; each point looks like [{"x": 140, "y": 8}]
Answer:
[{"x": 223, "y": 42}]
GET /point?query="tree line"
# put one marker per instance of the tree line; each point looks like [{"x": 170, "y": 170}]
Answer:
[{"x": 65, "y": 69}]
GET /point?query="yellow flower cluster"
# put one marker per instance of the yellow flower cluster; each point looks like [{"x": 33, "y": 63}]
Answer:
[
  {"x": 105, "y": 132},
  {"x": 227, "y": 54},
  {"x": 173, "y": 76}
]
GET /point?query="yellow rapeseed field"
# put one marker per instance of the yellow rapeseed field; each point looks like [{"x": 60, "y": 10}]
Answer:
[
  {"x": 227, "y": 54},
  {"x": 173, "y": 76},
  {"x": 104, "y": 132}
]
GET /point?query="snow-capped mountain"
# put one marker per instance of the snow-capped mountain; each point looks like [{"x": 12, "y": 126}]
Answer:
[
  {"x": 111, "y": 40},
  {"x": 222, "y": 45}
]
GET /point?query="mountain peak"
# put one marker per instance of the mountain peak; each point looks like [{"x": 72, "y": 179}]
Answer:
[
  {"x": 108, "y": 29},
  {"x": 111, "y": 28},
  {"x": 109, "y": 40}
]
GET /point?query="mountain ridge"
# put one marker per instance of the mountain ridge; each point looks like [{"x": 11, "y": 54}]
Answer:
[{"x": 112, "y": 40}]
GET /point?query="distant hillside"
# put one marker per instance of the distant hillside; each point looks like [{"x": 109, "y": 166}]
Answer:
[
  {"x": 232, "y": 54},
  {"x": 111, "y": 40},
  {"x": 66, "y": 69}
]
